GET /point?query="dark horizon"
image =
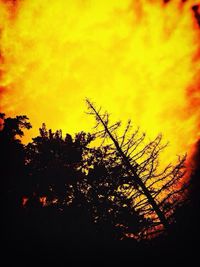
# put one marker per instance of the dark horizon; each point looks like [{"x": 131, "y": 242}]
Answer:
[{"x": 61, "y": 232}]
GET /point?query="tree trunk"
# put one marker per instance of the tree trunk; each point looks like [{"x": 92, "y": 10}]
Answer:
[{"x": 131, "y": 169}]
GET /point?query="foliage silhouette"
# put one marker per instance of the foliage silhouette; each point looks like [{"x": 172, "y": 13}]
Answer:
[
  {"x": 70, "y": 176},
  {"x": 12, "y": 174},
  {"x": 12, "y": 154},
  {"x": 154, "y": 194},
  {"x": 77, "y": 192}
]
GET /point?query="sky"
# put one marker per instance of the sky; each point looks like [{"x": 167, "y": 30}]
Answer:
[{"x": 139, "y": 60}]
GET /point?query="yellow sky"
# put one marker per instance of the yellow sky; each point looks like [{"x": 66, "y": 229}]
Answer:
[{"x": 137, "y": 59}]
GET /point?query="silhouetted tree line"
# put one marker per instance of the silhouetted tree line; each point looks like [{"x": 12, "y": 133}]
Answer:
[{"x": 90, "y": 190}]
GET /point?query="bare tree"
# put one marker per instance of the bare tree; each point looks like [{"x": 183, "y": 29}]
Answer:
[{"x": 154, "y": 193}]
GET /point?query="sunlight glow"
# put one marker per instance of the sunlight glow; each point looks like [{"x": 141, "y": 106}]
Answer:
[{"x": 138, "y": 59}]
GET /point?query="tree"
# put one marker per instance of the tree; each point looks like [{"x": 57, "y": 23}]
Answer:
[
  {"x": 154, "y": 194},
  {"x": 12, "y": 174},
  {"x": 71, "y": 175},
  {"x": 12, "y": 152},
  {"x": 54, "y": 165},
  {"x": 79, "y": 194},
  {"x": 115, "y": 188},
  {"x": 111, "y": 210}
]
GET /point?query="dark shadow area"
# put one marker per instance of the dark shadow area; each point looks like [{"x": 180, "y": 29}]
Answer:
[{"x": 56, "y": 214}]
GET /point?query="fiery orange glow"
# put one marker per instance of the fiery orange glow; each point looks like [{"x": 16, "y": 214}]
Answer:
[
  {"x": 138, "y": 59},
  {"x": 43, "y": 201},
  {"x": 24, "y": 201}
]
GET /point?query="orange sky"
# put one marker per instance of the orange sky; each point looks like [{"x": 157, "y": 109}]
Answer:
[{"x": 138, "y": 59}]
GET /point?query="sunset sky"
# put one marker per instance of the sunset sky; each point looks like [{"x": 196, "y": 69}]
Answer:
[{"x": 138, "y": 59}]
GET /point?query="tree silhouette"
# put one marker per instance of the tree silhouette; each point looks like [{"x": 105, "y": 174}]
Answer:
[
  {"x": 12, "y": 152},
  {"x": 78, "y": 191},
  {"x": 111, "y": 210},
  {"x": 154, "y": 194},
  {"x": 72, "y": 176},
  {"x": 53, "y": 164},
  {"x": 12, "y": 175}
]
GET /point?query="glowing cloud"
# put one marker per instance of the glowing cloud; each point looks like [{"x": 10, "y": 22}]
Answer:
[{"x": 138, "y": 59}]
